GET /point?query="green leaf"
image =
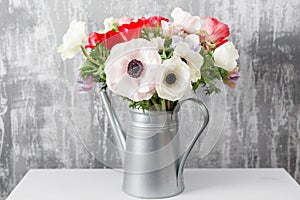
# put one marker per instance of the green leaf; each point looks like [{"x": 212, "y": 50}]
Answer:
[
  {"x": 223, "y": 72},
  {"x": 155, "y": 103},
  {"x": 168, "y": 42},
  {"x": 100, "y": 54},
  {"x": 88, "y": 68},
  {"x": 210, "y": 74},
  {"x": 115, "y": 27}
]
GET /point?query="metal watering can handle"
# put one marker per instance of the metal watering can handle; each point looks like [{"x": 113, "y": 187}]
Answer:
[{"x": 205, "y": 113}]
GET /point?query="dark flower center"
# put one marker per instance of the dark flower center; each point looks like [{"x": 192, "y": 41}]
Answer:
[
  {"x": 171, "y": 78},
  {"x": 184, "y": 60},
  {"x": 135, "y": 68}
]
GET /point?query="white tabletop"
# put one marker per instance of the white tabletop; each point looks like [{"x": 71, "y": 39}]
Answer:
[{"x": 208, "y": 184}]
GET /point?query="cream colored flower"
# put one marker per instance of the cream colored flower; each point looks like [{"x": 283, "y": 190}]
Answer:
[
  {"x": 109, "y": 23},
  {"x": 174, "y": 79},
  {"x": 72, "y": 40},
  {"x": 189, "y": 23},
  {"x": 225, "y": 56}
]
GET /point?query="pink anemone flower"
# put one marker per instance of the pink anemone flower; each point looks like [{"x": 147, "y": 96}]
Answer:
[
  {"x": 216, "y": 30},
  {"x": 131, "y": 69}
]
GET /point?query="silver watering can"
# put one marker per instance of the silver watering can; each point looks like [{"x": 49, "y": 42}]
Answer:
[{"x": 150, "y": 151}]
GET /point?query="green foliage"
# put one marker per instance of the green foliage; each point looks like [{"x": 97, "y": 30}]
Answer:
[
  {"x": 115, "y": 27},
  {"x": 224, "y": 73},
  {"x": 155, "y": 103},
  {"x": 144, "y": 105},
  {"x": 100, "y": 53},
  {"x": 94, "y": 64},
  {"x": 210, "y": 74},
  {"x": 149, "y": 33},
  {"x": 167, "y": 51},
  {"x": 88, "y": 68}
]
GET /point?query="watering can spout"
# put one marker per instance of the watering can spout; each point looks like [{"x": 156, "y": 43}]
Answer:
[{"x": 119, "y": 135}]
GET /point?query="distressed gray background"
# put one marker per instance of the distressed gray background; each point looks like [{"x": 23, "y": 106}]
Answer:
[{"x": 37, "y": 98}]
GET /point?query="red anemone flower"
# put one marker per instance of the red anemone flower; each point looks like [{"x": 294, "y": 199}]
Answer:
[
  {"x": 125, "y": 32},
  {"x": 217, "y": 31},
  {"x": 154, "y": 21}
]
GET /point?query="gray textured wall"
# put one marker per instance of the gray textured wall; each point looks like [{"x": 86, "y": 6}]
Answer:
[{"x": 38, "y": 105}]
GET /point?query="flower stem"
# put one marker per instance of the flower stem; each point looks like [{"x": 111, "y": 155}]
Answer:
[
  {"x": 169, "y": 105},
  {"x": 88, "y": 56},
  {"x": 163, "y": 105},
  {"x": 155, "y": 104}
]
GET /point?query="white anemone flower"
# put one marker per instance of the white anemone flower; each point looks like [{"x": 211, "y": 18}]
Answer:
[
  {"x": 131, "y": 69},
  {"x": 188, "y": 50},
  {"x": 72, "y": 40},
  {"x": 174, "y": 79},
  {"x": 189, "y": 23},
  {"x": 225, "y": 56}
]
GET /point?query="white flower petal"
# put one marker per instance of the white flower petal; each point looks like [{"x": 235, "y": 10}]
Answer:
[
  {"x": 192, "y": 38},
  {"x": 122, "y": 86},
  {"x": 165, "y": 27},
  {"x": 109, "y": 23},
  {"x": 72, "y": 40},
  {"x": 120, "y": 81},
  {"x": 169, "y": 29},
  {"x": 193, "y": 59},
  {"x": 193, "y": 41},
  {"x": 190, "y": 24},
  {"x": 182, "y": 84},
  {"x": 195, "y": 62},
  {"x": 180, "y": 16},
  {"x": 225, "y": 56},
  {"x": 182, "y": 49},
  {"x": 193, "y": 24},
  {"x": 158, "y": 42}
]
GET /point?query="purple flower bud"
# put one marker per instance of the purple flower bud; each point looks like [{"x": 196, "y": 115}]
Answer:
[
  {"x": 234, "y": 77},
  {"x": 87, "y": 83}
]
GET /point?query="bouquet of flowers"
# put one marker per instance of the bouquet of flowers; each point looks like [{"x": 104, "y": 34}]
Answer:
[{"x": 153, "y": 62}]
